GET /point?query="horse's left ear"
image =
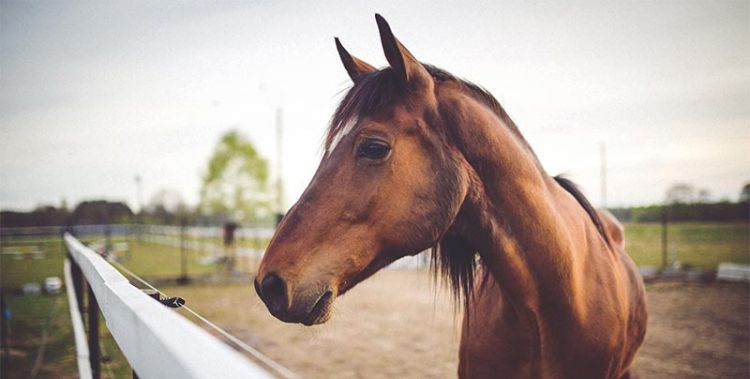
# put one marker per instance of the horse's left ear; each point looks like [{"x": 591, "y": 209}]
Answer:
[
  {"x": 403, "y": 63},
  {"x": 355, "y": 67}
]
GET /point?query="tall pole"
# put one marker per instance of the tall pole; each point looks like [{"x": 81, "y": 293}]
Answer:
[
  {"x": 139, "y": 216},
  {"x": 5, "y": 365},
  {"x": 183, "y": 279},
  {"x": 664, "y": 238},
  {"x": 94, "y": 351},
  {"x": 139, "y": 193},
  {"x": 603, "y": 152},
  {"x": 4, "y": 316},
  {"x": 279, "y": 182}
]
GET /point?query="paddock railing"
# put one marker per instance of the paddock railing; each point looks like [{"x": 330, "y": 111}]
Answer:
[
  {"x": 79, "y": 333},
  {"x": 156, "y": 341}
]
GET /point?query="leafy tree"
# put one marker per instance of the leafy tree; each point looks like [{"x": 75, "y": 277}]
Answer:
[
  {"x": 235, "y": 184},
  {"x": 101, "y": 212},
  {"x": 167, "y": 207},
  {"x": 41, "y": 216},
  {"x": 745, "y": 193},
  {"x": 704, "y": 195},
  {"x": 680, "y": 193}
]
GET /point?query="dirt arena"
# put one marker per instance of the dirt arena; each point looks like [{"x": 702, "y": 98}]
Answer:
[{"x": 397, "y": 324}]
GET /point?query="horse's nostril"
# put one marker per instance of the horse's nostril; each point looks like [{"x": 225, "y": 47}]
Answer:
[{"x": 273, "y": 293}]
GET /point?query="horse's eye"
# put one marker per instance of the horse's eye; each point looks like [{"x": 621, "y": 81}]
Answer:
[{"x": 373, "y": 149}]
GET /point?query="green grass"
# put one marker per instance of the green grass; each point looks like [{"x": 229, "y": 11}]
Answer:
[
  {"x": 153, "y": 260},
  {"x": 702, "y": 245},
  {"x": 19, "y": 269},
  {"x": 147, "y": 259},
  {"x": 30, "y": 312},
  {"x": 31, "y": 315}
]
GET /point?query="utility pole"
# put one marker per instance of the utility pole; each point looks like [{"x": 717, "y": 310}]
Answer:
[
  {"x": 603, "y": 155},
  {"x": 184, "y": 278},
  {"x": 140, "y": 192},
  {"x": 279, "y": 182},
  {"x": 4, "y": 321},
  {"x": 139, "y": 216},
  {"x": 664, "y": 235}
]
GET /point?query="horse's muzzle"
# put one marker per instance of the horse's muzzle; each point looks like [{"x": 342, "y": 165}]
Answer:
[{"x": 308, "y": 307}]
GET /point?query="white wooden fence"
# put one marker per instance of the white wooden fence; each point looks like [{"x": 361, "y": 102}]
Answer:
[
  {"x": 79, "y": 333},
  {"x": 156, "y": 341}
]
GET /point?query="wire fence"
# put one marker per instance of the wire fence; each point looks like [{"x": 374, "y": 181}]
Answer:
[{"x": 156, "y": 341}]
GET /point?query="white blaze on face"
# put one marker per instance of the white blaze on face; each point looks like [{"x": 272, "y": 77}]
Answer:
[{"x": 344, "y": 131}]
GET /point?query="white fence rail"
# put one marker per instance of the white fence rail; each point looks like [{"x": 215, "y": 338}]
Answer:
[{"x": 157, "y": 342}]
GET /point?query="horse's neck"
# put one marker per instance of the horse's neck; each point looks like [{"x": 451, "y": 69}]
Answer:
[{"x": 518, "y": 218}]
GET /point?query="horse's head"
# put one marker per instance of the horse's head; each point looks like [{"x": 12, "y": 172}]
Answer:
[{"x": 388, "y": 185}]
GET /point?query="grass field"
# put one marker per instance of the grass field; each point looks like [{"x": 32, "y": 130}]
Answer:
[
  {"x": 697, "y": 244},
  {"x": 44, "y": 258},
  {"x": 23, "y": 261}
]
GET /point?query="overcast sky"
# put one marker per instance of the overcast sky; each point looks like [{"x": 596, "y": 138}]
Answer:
[{"x": 93, "y": 94}]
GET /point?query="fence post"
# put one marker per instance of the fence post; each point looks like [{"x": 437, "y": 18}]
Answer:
[
  {"x": 256, "y": 250},
  {"x": 156, "y": 296},
  {"x": 94, "y": 351},
  {"x": 664, "y": 222},
  {"x": 77, "y": 277},
  {"x": 183, "y": 279},
  {"x": 108, "y": 238},
  {"x": 5, "y": 365}
]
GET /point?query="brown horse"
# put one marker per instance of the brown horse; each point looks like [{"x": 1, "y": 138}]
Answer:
[{"x": 416, "y": 158}]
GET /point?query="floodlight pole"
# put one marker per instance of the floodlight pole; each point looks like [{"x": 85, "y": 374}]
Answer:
[
  {"x": 139, "y": 216},
  {"x": 664, "y": 240},
  {"x": 184, "y": 278},
  {"x": 279, "y": 144},
  {"x": 603, "y": 154}
]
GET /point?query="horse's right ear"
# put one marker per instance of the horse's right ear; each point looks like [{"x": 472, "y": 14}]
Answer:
[
  {"x": 403, "y": 63},
  {"x": 354, "y": 66}
]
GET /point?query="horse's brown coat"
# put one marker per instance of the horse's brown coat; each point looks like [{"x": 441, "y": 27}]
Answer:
[{"x": 553, "y": 298}]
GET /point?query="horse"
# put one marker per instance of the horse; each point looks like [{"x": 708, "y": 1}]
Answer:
[{"x": 415, "y": 159}]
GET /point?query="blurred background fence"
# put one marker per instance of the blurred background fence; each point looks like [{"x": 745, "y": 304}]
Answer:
[{"x": 163, "y": 252}]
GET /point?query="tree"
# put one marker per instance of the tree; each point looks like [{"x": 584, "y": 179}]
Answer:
[
  {"x": 704, "y": 195},
  {"x": 167, "y": 207},
  {"x": 40, "y": 216},
  {"x": 235, "y": 184},
  {"x": 101, "y": 212},
  {"x": 745, "y": 193},
  {"x": 680, "y": 193}
]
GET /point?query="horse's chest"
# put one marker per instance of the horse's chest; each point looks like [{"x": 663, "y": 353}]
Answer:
[{"x": 501, "y": 342}]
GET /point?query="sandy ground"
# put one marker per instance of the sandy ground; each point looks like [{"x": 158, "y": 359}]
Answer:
[
  {"x": 696, "y": 331},
  {"x": 397, "y": 324}
]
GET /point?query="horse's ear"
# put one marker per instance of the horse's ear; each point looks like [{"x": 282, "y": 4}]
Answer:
[
  {"x": 354, "y": 66},
  {"x": 403, "y": 63}
]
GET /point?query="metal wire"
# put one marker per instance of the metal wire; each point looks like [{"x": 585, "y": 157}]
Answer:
[{"x": 278, "y": 368}]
